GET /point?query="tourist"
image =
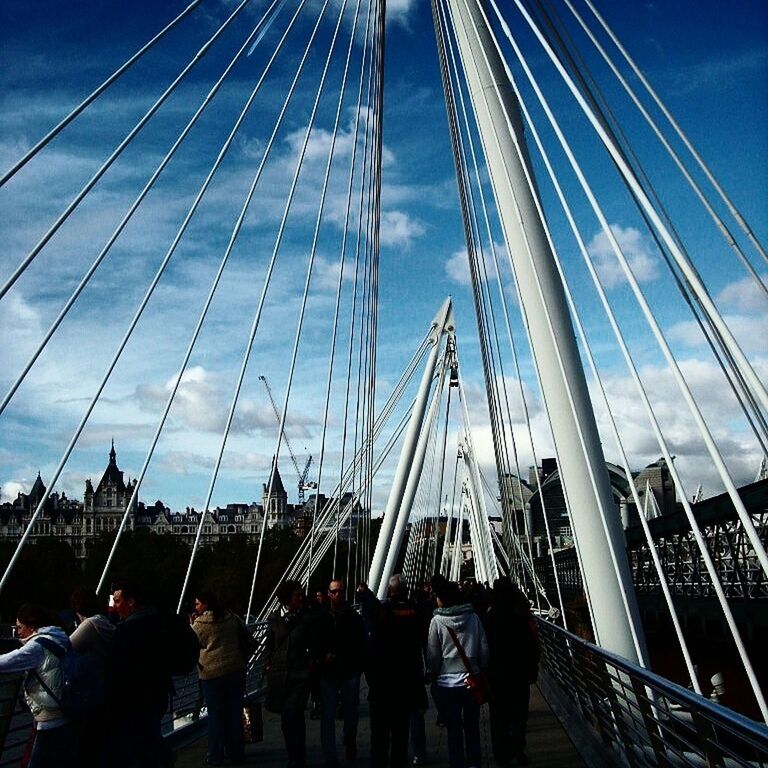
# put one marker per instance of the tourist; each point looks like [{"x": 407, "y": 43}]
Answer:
[
  {"x": 288, "y": 657},
  {"x": 425, "y": 605},
  {"x": 55, "y": 742},
  {"x": 223, "y": 658},
  {"x": 94, "y": 630},
  {"x": 455, "y": 623},
  {"x": 341, "y": 654},
  {"x": 139, "y": 683},
  {"x": 512, "y": 667},
  {"x": 395, "y": 676},
  {"x": 318, "y": 606},
  {"x": 92, "y": 636}
]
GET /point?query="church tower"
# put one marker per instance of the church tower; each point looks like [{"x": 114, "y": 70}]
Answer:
[
  {"x": 108, "y": 502},
  {"x": 276, "y": 503}
]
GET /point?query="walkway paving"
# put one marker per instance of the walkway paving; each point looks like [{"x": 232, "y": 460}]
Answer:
[{"x": 548, "y": 744}]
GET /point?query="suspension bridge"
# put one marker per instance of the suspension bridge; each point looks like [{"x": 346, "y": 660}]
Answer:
[{"x": 222, "y": 206}]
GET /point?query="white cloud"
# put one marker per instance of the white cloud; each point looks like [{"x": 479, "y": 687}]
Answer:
[
  {"x": 457, "y": 265},
  {"x": 12, "y": 489},
  {"x": 399, "y": 11},
  {"x": 745, "y": 296},
  {"x": 638, "y": 251},
  {"x": 399, "y": 229},
  {"x": 748, "y": 318}
]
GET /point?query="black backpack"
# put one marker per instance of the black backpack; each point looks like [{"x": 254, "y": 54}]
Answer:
[
  {"x": 182, "y": 648},
  {"x": 82, "y": 693}
]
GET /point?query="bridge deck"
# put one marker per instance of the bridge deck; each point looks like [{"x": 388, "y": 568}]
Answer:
[{"x": 548, "y": 744}]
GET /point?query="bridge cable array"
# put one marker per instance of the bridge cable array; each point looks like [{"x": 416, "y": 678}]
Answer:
[
  {"x": 740, "y": 378},
  {"x": 345, "y": 199}
]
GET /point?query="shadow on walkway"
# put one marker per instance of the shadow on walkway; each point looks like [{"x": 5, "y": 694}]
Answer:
[{"x": 548, "y": 744}]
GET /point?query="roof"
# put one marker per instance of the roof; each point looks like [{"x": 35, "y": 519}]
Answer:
[
  {"x": 112, "y": 475},
  {"x": 707, "y": 512},
  {"x": 277, "y": 483}
]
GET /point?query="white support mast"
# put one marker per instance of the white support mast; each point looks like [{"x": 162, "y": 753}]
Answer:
[
  {"x": 594, "y": 517},
  {"x": 442, "y": 323}
]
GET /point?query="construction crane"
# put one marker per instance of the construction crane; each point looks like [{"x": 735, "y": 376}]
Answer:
[{"x": 302, "y": 475}]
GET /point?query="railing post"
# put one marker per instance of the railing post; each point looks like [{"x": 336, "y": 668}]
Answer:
[{"x": 651, "y": 726}]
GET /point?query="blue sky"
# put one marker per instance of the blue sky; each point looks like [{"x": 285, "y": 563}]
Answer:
[{"x": 709, "y": 64}]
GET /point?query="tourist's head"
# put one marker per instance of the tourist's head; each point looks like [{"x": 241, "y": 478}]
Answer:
[
  {"x": 291, "y": 595},
  {"x": 205, "y": 600},
  {"x": 30, "y": 617},
  {"x": 127, "y": 597},
  {"x": 396, "y": 587},
  {"x": 85, "y": 602},
  {"x": 336, "y": 593},
  {"x": 447, "y": 593}
]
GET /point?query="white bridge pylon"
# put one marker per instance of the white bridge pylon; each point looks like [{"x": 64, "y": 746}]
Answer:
[{"x": 442, "y": 371}]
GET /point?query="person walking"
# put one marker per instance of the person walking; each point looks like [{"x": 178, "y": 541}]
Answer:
[
  {"x": 455, "y": 623},
  {"x": 341, "y": 653},
  {"x": 55, "y": 741},
  {"x": 223, "y": 650},
  {"x": 139, "y": 683},
  {"x": 288, "y": 658},
  {"x": 512, "y": 668},
  {"x": 395, "y": 675},
  {"x": 92, "y": 637}
]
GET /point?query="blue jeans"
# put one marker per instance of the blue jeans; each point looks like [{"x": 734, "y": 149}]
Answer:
[
  {"x": 462, "y": 720},
  {"x": 224, "y": 699},
  {"x": 54, "y": 748},
  {"x": 330, "y": 690}
]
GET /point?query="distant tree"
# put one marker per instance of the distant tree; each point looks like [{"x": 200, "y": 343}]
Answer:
[
  {"x": 46, "y": 572},
  {"x": 158, "y": 561}
]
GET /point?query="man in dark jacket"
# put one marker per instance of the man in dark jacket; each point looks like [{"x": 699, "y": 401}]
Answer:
[
  {"x": 341, "y": 653},
  {"x": 138, "y": 680},
  {"x": 512, "y": 668},
  {"x": 395, "y": 676},
  {"x": 288, "y": 660}
]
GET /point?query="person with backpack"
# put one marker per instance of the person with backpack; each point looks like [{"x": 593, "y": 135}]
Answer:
[
  {"x": 224, "y": 648},
  {"x": 139, "y": 678},
  {"x": 39, "y": 658},
  {"x": 90, "y": 641},
  {"x": 288, "y": 659}
]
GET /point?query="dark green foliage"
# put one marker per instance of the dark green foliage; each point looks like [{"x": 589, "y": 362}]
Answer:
[{"x": 46, "y": 573}]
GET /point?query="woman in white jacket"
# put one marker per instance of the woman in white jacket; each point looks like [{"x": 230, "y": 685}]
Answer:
[
  {"x": 55, "y": 743},
  {"x": 455, "y": 701}
]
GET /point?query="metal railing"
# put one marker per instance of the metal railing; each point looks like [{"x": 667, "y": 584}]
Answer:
[
  {"x": 187, "y": 711},
  {"x": 637, "y": 718}
]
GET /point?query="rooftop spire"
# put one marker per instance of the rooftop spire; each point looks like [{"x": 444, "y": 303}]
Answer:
[{"x": 112, "y": 454}]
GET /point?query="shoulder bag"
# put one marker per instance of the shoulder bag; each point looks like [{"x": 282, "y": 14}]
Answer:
[{"x": 476, "y": 682}]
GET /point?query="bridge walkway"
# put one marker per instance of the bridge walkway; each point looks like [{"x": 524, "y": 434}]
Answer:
[{"x": 548, "y": 744}]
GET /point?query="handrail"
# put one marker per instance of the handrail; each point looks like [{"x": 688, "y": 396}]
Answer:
[{"x": 639, "y": 716}]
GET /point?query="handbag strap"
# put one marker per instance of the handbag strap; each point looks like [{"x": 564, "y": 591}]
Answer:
[{"x": 460, "y": 649}]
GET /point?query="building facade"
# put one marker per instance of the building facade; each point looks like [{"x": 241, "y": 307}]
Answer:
[{"x": 80, "y": 523}]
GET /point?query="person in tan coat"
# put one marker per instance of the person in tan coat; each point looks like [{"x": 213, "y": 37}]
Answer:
[{"x": 223, "y": 652}]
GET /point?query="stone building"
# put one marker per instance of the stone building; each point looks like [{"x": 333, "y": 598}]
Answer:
[{"x": 103, "y": 507}]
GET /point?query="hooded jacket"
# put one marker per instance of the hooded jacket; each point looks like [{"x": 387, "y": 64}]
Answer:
[
  {"x": 221, "y": 648},
  {"x": 40, "y": 664},
  {"x": 442, "y": 655},
  {"x": 93, "y": 635}
]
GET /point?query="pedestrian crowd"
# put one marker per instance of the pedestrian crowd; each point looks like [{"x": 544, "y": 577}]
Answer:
[
  {"x": 468, "y": 645},
  {"x": 98, "y": 695}
]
